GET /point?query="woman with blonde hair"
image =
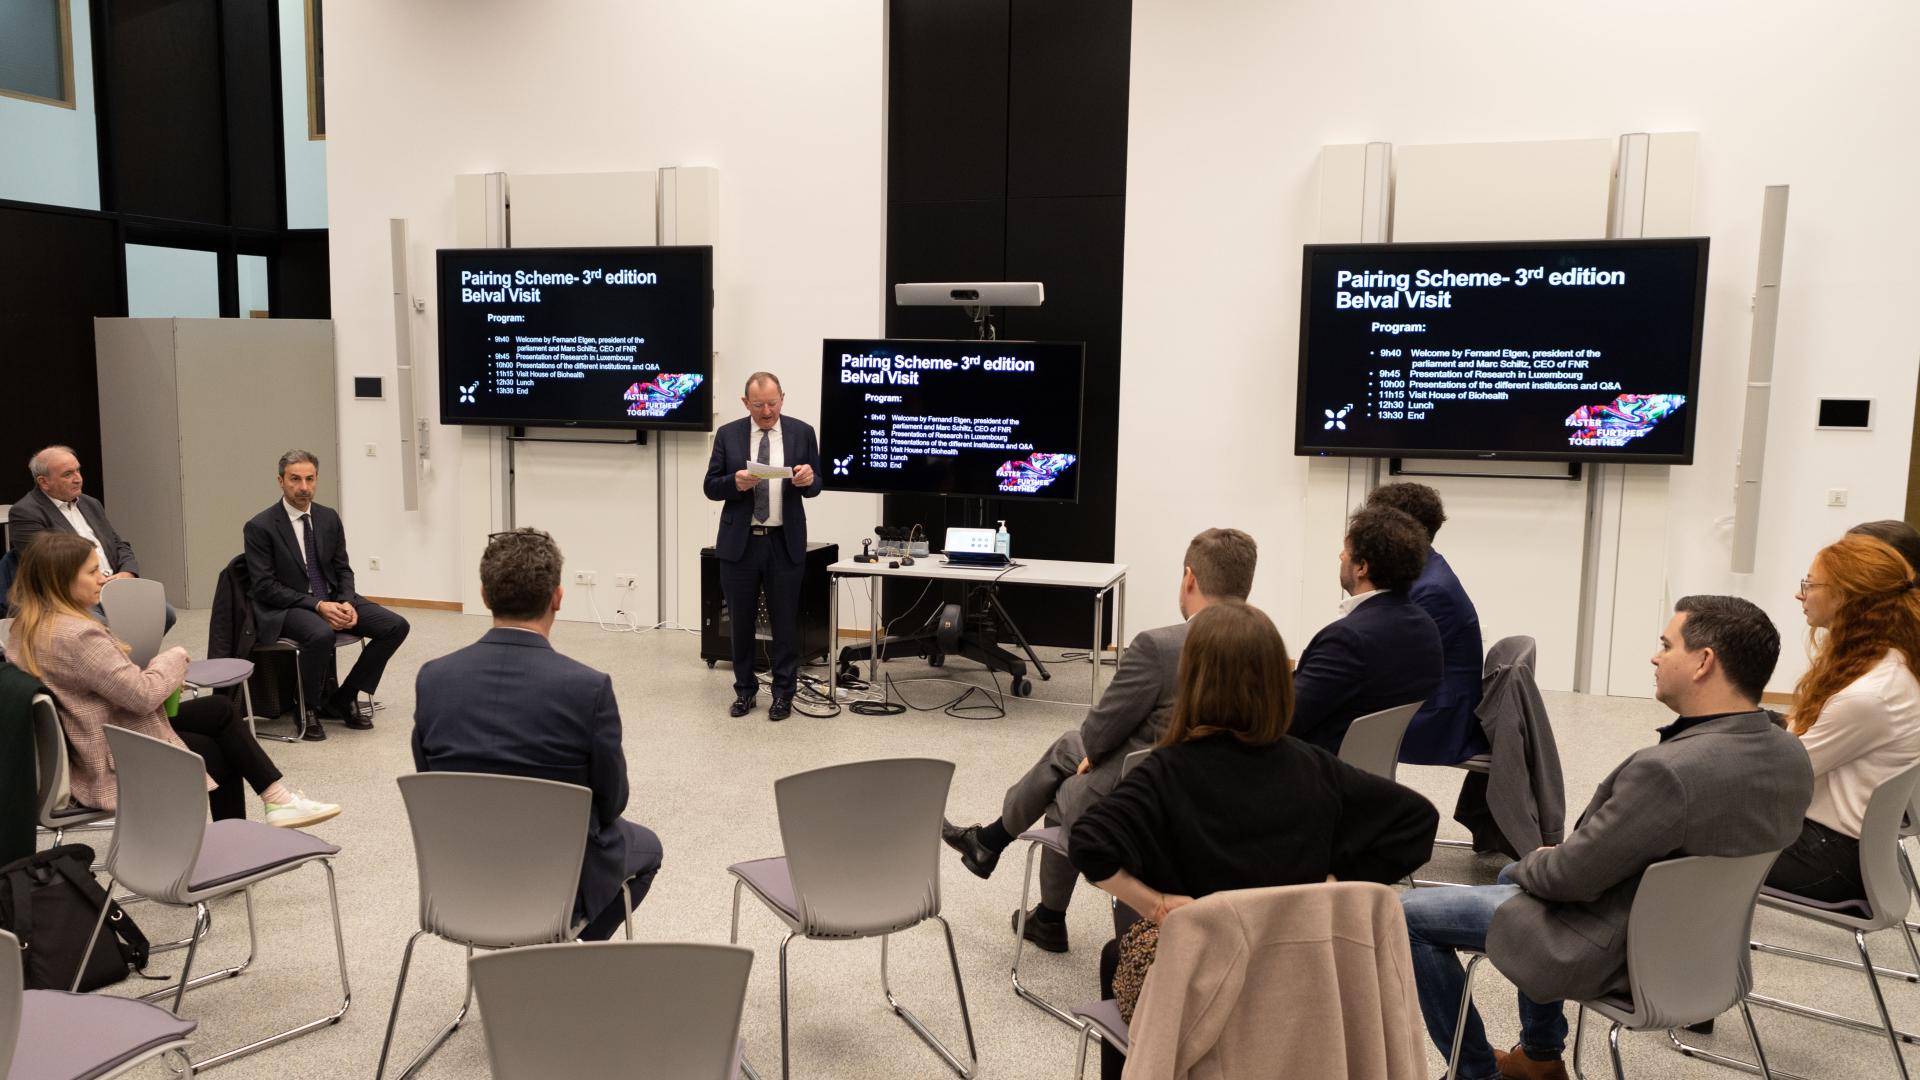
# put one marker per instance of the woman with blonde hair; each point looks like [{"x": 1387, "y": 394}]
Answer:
[
  {"x": 96, "y": 684},
  {"x": 1856, "y": 710}
]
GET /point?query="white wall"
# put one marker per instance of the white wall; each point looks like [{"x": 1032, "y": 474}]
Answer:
[
  {"x": 1231, "y": 103},
  {"x": 784, "y": 100},
  {"x": 49, "y": 154}
]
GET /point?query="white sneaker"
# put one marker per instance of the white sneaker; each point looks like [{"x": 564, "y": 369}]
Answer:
[{"x": 300, "y": 813}]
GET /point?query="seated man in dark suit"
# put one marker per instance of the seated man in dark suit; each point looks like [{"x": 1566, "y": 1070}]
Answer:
[
  {"x": 510, "y": 704},
  {"x": 303, "y": 591},
  {"x": 1083, "y": 765},
  {"x": 57, "y": 503},
  {"x": 1445, "y": 730},
  {"x": 1383, "y": 651},
  {"x": 1723, "y": 780}
]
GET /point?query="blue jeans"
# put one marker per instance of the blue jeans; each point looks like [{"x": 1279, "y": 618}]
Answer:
[{"x": 1442, "y": 920}]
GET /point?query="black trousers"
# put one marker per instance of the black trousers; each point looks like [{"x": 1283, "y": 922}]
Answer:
[
  {"x": 1821, "y": 864},
  {"x": 1112, "y": 1062},
  {"x": 643, "y": 863},
  {"x": 212, "y": 727},
  {"x": 766, "y": 563},
  {"x": 383, "y": 630}
]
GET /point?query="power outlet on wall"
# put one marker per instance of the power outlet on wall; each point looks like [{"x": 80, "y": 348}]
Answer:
[
  {"x": 373, "y": 563},
  {"x": 1836, "y": 496},
  {"x": 624, "y": 581},
  {"x": 583, "y": 577}
]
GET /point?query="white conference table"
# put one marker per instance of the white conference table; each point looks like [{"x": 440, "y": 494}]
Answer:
[{"x": 1102, "y": 579}]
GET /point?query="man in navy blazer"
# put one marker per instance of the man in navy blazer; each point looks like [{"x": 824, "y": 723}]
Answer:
[
  {"x": 1384, "y": 651},
  {"x": 763, "y": 534},
  {"x": 302, "y": 586},
  {"x": 509, "y": 704},
  {"x": 1445, "y": 730}
]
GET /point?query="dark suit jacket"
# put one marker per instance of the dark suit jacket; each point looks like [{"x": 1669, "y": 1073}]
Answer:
[
  {"x": 1445, "y": 730},
  {"x": 35, "y": 513},
  {"x": 509, "y": 704},
  {"x": 730, "y": 455},
  {"x": 278, "y": 572},
  {"x": 1384, "y": 653},
  {"x": 1736, "y": 785}
]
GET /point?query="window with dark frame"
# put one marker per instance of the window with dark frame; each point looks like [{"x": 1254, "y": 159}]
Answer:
[{"x": 36, "y": 51}]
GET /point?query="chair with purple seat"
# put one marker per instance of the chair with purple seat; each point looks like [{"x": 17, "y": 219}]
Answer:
[
  {"x": 55, "y": 1035},
  {"x": 164, "y": 849},
  {"x": 862, "y": 860},
  {"x": 136, "y": 610}
]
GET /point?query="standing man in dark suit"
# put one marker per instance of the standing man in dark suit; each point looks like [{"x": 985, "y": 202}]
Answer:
[
  {"x": 1383, "y": 651},
  {"x": 1722, "y": 780},
  {"x": 763, "y": 534},
  {"x": 1445, "y": 730},
  {"x": 303, "y": 591},
  {"x": 57, "y": 503},
  {"x": 509, "y": 704},
  {"x": 1083, "y": 765}
]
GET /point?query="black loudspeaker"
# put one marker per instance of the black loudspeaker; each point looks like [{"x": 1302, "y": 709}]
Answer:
[{"x": 816, "y": 590}]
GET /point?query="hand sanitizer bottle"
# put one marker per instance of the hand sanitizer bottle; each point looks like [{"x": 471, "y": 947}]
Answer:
[{"x": 1002, "y": 542}]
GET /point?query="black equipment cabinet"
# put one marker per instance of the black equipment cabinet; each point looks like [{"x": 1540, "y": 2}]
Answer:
[{"x": 716, "y": 624}]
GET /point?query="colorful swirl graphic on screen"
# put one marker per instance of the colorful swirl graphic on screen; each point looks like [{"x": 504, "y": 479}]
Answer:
[
  {"x": 1025, "y": 476},
  {"x": 662, "y": 395},
  {"x": 1626, "y": 418}
]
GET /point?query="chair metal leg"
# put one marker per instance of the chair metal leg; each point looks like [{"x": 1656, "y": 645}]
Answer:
[
  {"x": 1687, "y": 1049},
  {"x": 1579, "y": 1033},
  {"x": 1836, "y": 961},
  {"x": 399, "y": 992},
  {"x": 87, "y": 953},
  {"x": 1020, "y": 944},
  {"x": 1613, "y": 1051},
  {"x": 1460, "y": 1020},
  {"x": 1753, "y": 1036},
  {"x": 246, "y": 694},
  {"x": 1880, "y": 1003},
  {"x": 733, "y": 936},
  {"x": 433, "y": 1045},
  {"x": 1089, "y": 1035},
  {"x": 626, "y": 897},
  {"x": 920, "y": 1029},
  {"x": 346, "y": 991},
  {"x": 786, "y": 1071},
  {"x": 203, "y": 921}
]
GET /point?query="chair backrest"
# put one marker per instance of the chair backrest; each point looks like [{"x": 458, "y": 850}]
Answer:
[
  {"x": 626, "y": 1008},
  {"x": 1372, "y": 742},
  {"x": 1134, "y": 757},
  {"x": 12, "y": 987},
  {"x": 498, "y": 856},
  {"x": 162, "y": 817},
  {"x": 137, "y": 611},
  {"x": 1880, "y": 847},
  {"x": 50, "y": 759},
  {"x": 1687, "y": 953},
  {"x": 863, "y": 844}
]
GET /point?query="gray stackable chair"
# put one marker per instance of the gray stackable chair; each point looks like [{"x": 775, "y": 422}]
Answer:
[
  {"x": 1687, "y": 959},
  {"x": 862, "y": 860},
  {"x": 1885, "y": 907},
  {"x": 58, "y": 811},
  {"x": 629, "y": 1009},
  {"x": 1053, "y": 838},
  {"x": 137, "y": 611},
  {"x": 1372, "y": 742},
  {"x": 1099, "y": 1022},
  {"x": 165, "y": 850},
  {"x": 52, "y": 1035},
  {"x": 498, "y": 859}
]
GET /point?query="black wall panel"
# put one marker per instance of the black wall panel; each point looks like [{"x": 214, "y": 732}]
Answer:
[
  {"x": 1067, "y": 134},
  {"x": 947, "y": 99},
  {"x": 47, "y": 306},
  {"x": 254, "y": 153},
  {"x": 161, "y": 116},
  {"x": 297, "y": 283}
]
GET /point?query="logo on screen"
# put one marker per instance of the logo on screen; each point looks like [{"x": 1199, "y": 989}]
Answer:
[
  {"x": 1622, "y": 420},
  {"x": 1027, "y": 476},
  {"x": 466, "y": 392},
  {"x": 1337, "y": 419},
  {"x": 665, "y": 393},
  {"x": 840, "y": 465}
]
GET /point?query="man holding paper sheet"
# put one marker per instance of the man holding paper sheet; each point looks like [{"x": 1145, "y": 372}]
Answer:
[{"x": 762, "y": 466}]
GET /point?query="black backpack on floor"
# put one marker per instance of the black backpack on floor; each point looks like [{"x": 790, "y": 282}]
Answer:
[{"x": 51, "y": 902}]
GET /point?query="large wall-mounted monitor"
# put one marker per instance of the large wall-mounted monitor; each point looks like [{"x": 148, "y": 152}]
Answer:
[
  {"x": 577, "y": 337},
  {"x": 975, "y": 419},
  {"x": 1536, "y": 351}
]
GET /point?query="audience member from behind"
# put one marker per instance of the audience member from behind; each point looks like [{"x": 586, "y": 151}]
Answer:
[
  {"x": 1227, "y": 801},
  {"x": 510, "y": 704},
  {"x": 1445, "y": 730},
  {"x": 1083, "y": 765},
  {"x": 56, "y": 504},
  {"x": 1899, "y": 535},
  {"x": 1856, "y": 710},
  {"x": 1383, "y": 651},
  {"x": 95, "y": 684},
  {"x": 1723, "y": 780}
]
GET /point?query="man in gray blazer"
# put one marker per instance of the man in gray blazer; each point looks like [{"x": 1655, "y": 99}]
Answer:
[
  {"x": 1723, "y": 780},
  {"x": 1083, "y": 765},
  {"x": 56, "y": 503}
]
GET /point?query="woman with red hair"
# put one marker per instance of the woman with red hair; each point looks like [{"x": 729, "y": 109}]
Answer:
[{"x": 1856, "y": 710}]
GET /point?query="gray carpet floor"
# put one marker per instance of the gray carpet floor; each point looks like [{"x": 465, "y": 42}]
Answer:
[{"x": 704, "y": 781}]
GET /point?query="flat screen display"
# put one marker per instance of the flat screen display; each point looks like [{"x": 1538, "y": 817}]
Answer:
[
  {"x": 981, "y": 419},
  {"x": 577, "y": 337},
  {"x": 1540, "y": 351}
]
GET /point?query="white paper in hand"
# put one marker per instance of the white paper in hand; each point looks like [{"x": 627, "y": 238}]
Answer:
[{"x": 769, "y": 472}]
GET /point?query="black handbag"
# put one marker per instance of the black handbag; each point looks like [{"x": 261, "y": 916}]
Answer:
[{"x": 51, "y": 902}]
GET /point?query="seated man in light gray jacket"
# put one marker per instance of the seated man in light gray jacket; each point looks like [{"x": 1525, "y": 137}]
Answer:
[
  {"x": 1083, "y": 765},
  {"x": 1723, "y": 780}
]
